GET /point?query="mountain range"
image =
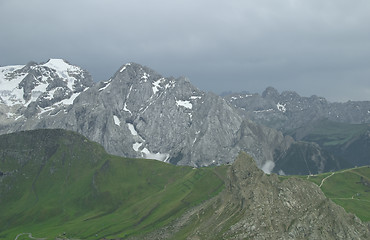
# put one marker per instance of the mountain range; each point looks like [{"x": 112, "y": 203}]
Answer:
[
  {"x": 287, "y": 110},
  {"x": 139, "y": 113}
]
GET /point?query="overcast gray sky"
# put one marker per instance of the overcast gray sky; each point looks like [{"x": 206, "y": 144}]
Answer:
[{"x": 317, "y": 47}]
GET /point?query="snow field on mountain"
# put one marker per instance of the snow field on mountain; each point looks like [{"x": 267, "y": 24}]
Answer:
[
  {"x": 185, "y": 104},
  {"x": 10, "y": 93}
]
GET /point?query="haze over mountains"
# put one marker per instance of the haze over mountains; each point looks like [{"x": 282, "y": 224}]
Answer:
[{"x": 139, "y": 113}]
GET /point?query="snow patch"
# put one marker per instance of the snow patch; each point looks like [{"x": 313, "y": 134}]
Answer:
[
  {"x": 185, "y": 104},
  {"x": 261, "y": 111},
  {"x": 132, "y": 129},
  {"x": 107, "y": 83},
  {"x": 40, "y": 88},
  {"x": 125, "y": 106},
  {"x": 51, "y": 93},
  {"x": 268, "y": 166},
  {"x": 34, "y": 96},
  {"x": 281, "y": 107},
  {"x": 156, "y": 85},
  {"x": 195, "y": 97},
  {"x": 116, "y": 120},
  {"x": 136, "y": 146},
  {"x": 70, "y": 100},
  {"x": 145, "y": 77},
  {"x": 157, "y": 156},
  {"x": 170, "y": 84},
  {"x": 190, "y": 116},
  {"x": 124, "y": 67},
  {"x": 241, "y": 96},
  {"x": 9, "y": 115},
  {"x": 44, "y": 110},
  {"x": 126, "y": 109}
]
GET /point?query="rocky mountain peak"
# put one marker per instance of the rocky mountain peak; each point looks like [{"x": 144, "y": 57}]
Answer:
[
  {"x": 59, "y": 64},
  {"x": 135, "y": 71},
  {"x": 244, "y": 170},
  {"x": 34, "y": 89},
  {"x": 270, "y": 93}
]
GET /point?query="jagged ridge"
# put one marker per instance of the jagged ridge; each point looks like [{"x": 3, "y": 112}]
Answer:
[{"x": 139, "y": 113}]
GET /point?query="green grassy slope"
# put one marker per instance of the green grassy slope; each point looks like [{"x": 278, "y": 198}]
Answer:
[
  {"x": 348, "y": 188},
  {"x": 57, "y": 183}
]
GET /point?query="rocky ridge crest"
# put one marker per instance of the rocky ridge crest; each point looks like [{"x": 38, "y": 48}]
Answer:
[
  {"x": 259, "y": 206},
  {"x": 288, "y": 111}
]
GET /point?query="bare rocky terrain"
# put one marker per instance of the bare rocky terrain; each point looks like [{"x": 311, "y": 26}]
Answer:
[{"x": 259, "y": 206}]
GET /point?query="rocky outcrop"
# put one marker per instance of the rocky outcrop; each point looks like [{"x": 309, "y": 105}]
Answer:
[{"x": 259, "y": 206}]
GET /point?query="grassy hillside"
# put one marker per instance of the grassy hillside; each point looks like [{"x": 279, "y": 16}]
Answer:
[
  {"x": 57, "y": 183},
  {"x": 348, "y": 188}
]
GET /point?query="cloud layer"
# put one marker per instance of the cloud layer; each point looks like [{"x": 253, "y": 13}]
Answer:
[{"x": 313, "y": 47}]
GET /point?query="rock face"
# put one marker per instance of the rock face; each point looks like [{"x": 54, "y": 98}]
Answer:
[
  {"x": 139, "y": 113},
  {"x": 257, "y": 206},
  {"x": 288, "y": 110}
]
